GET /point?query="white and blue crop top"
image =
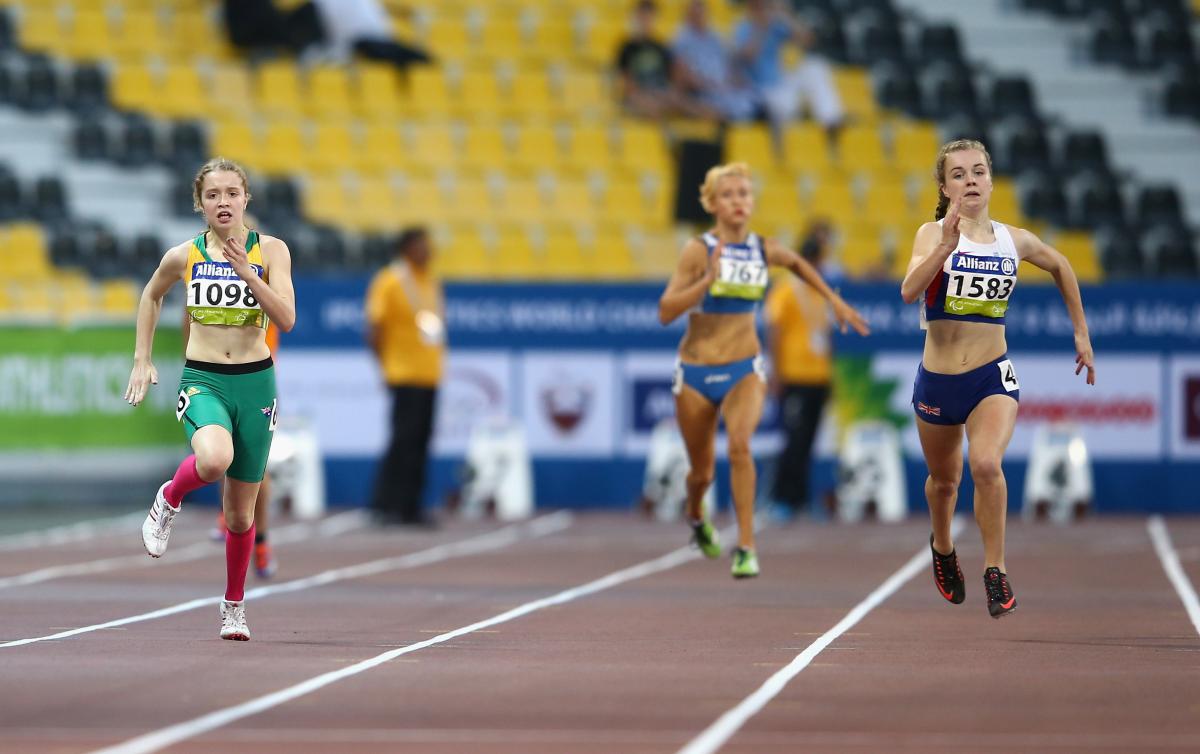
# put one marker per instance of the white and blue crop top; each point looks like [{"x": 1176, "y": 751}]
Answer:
[
  {"x": 976, "y": 281},
  {"x": 742, "y": 280}
]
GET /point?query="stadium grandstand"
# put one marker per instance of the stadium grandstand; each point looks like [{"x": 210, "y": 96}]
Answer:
[{"x": 513, "y": 149}]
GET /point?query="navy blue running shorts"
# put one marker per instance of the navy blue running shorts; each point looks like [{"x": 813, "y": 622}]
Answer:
[{"x": 950, "y": 398}]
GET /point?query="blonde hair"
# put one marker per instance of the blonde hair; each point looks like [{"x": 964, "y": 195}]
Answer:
[
  {"x": 939, "y": 170},
  {"x": 212, "y": 166},
  {"x": 708, "y": 189}
]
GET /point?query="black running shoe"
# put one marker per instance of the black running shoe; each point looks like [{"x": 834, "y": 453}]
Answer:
[
  {"x": 947, "y": 575},
  {"x": 1001, "y": 600}
]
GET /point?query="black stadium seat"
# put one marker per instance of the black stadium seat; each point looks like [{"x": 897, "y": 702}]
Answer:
[
  {"x": 138, "y": 143},
  {"x": 1084, "y": 152},
  {"x": 1119, "y": 254},
  {"x": 6, "y": 30},
  {"x": 1159, "y": 205},
  {"x": 896, "y": 88},
  {"x": 40, "y": 91},
  {"x": 1011, "y": 95},
  {"x": 188, "y": 146},
  {"x": 1169, "y": 44},
  {"x": 1098, "y": 202},
  {"x": 89, "y": 89},
  {"x": 1115, "y": 44},
  {"x": 1027, "y": 149},
  {"x": 49, "y": 204},
  {"x": 938, "y": 43},
  {"x": 11, "y": 206},
  {"x": 91, "y": 141},
  {"x": 1042, "y": 198},
  {"x": 1182, "y": 99},
  {"x": 1169, "y": 252}
]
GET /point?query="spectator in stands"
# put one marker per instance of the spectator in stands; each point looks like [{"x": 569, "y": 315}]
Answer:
[
  {"x": 798, "y": 332},
  {"x": 405, "y": 330},
  {"x": 705, "y": 67},
  {"x": 650, "y": 79},
  {"x": 758, "y": 43},
  {"x": 363, "y": 27},
  {"x": 259, "y": 26}
]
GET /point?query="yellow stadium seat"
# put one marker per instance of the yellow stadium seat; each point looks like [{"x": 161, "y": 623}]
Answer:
[
  {"x": 40, "y": 31},
  {"x": 776, "y": 206},
  {"x": 501, "y": 39},
  {"x": 325, "y": 199},
  {"x": 234, "y": 139},
  {"x": 376, "y": 91},
  {"x": 1004, "y": 205},
  {"x": 572, "y": 201},
  {"x": 332, "y": 148},
  {"x": 230, "y": 83},
  {"x": 834, "y": 200},
  {"x": 623, "y": 201},
  {"x": 139, "y": 37},
  {"x": 806, "y": 148},
  {"x": 328, "y": 94},
  {"x": 283, "y": 149},
  {"x": 471, "y": 200},
  {"x": 374, "y": 207},
  {"x": 428, "y": 93},
  {"x": 583, "y": 93},
  {"x": 750, "y": 143},
  {"x": 133, "y": 88},
  {"x": 915, "y": 147},
  {"x": 23, "y": 253},
  {"x": 1080, "y": 250},
  {"x": 464, "y": 254},
  {"x": 484, "y": 148},
  {"x": 887, "y": 203},
  {"x": 599, "y": 44},
  {"x": 418, "y": 202},
  {"x": 478, "y": 95},
  {"x": 183, "y": 94},
  {"x": 277, "y": 89},
  {"x": 521, "y": 201},
  {"x": 515, "y": 257},
  {"x": 382, "y": 149},
  {"x": 860, "y": 150},
  {"x": 536, "y": 149},
  {"x": 590, "y": 148},
  {"x": 448, "y": 39},
  {"x": 119, "y": 297},
  {"x": 644, "y": 147},
  {"x": 861, "y": 252},
  {"x": 88, "y": 37},
  {"x": 528, "y": 96},
  {"x": 189, "y": 31},
  {"x": 433, "y": 146},
  {"x": 551, "y": 39},
  {"x": 858, "y": 95}
]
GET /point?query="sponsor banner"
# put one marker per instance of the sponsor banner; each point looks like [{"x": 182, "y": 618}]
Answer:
[
  {"x": 568, "y": 403},
  {"x": 342, "y": 393},
  {"x": 647, "y": 399},
  {"x": 476, "y": 385},
  {"x": 65, "y": 388},
  {"x": 1162, "y": 316},
  {"x": 1185, "y": 401},
  {"x": 1121, "y": 416}
]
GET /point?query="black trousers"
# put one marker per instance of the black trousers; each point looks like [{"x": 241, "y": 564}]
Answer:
[
  {"x": 390, "y": 51},
  {"x": 801, "y": 408},
  {"x": 401, "y": 477}
]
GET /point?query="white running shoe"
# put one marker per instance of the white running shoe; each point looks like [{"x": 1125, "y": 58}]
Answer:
[
  {"x": 233, "y": 621},
  {"x": 156, "y": 529}
]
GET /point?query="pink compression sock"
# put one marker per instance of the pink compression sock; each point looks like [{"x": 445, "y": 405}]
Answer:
[
  {"x": 237, "y": 559},
  {"x": 186, "y": 479}
]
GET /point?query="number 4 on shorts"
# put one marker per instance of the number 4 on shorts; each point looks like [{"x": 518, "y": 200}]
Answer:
[{"x": 1008, "y": 375}]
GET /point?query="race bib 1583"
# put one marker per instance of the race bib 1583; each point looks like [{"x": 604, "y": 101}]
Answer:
[{"x": 979, "y": 285}]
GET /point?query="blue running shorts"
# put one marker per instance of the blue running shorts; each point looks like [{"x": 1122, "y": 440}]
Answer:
[
  {"x": 714, "y": 382},
  {"x": 950, "y": 398}
]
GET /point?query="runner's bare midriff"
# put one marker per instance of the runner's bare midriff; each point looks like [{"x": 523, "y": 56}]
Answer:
[
  {"x": 957, "y": 347},
  {"x": 719, "y": 338},
  {"x": 226, "y": 344}
]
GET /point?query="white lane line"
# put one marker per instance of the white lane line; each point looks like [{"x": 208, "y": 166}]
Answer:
[
  {"x": 717, "y": 734},
  {"x": 1175, "y": 573},
  {"x": 299, "y": 532},
  {"x": 68, "y": 533},
  {"x": 173, "y": 734},
  {"x": 473, "y": 546}
]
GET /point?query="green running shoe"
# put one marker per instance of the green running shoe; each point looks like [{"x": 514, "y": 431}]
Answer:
[
  {"x": 745, "y": 564},
  {"x": 704, "y": 536}
]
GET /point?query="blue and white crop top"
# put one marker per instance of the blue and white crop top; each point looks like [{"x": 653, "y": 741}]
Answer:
[
  {"x": 976, "y": 281},
  {"x": 742, "y": 280}
]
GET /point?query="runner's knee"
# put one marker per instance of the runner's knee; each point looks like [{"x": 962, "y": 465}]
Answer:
[
  {"x": 211, "y": 464},
  {"x": 943, "y": 487},
  {"x": 986, "y": 470}
]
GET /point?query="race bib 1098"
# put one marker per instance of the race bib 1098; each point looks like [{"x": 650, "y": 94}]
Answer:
[{"x": 217, "y": 296}]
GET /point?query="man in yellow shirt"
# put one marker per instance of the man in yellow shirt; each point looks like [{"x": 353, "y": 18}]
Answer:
[
  {"x": 798, "y": 333},
  {"x": 405, "y": 329}
]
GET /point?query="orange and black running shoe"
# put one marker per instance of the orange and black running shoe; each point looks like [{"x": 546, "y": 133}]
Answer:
[
  {"x": 1001, "y": 600},
  {"x": 947, "y": 575}
]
